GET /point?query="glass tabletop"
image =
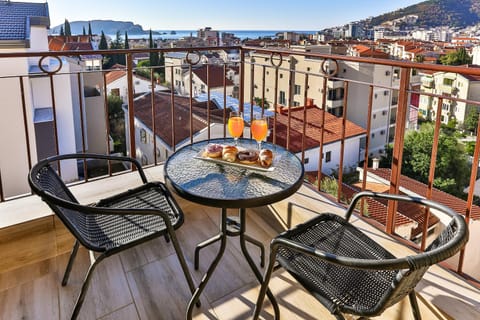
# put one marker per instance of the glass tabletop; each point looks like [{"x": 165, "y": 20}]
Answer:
[{"x": 228, "y": 186}]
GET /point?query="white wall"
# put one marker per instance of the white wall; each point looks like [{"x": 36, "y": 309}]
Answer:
[{"x": 351, "y": 156}]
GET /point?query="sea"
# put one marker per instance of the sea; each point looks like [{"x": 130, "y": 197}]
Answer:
[{"x": 242, "y": 34}]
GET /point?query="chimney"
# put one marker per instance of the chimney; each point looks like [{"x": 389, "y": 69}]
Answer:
[
  {"x": 375, "y": 163},
  {"x": 309, "y": 102}
]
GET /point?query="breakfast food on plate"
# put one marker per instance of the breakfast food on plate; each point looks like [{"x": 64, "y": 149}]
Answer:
[
  {"x": 213, "y": 150},
  {"x": 248, "y": 156},
  {"x": 265, "y": 158},
  {"x": 229, "y": 153}
]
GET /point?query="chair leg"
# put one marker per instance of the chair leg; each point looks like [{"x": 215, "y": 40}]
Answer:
[
  {"x": 181, "y": 259},
  {"x": 260, "y": 245},
  {"x": 266, "y": 280},
  {"x": 86, "y": 283},
  {"x": 414, "y": 304},
  {"x": 167, "y": 238},
  {"x": 73, "y": 254}
]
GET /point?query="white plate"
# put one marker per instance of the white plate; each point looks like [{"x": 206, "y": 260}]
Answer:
[{"x": 201, "y": 155}]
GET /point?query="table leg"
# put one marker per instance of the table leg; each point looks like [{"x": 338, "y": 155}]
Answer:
[
  {"x": 233, "y": 230},
  {"x": 249, "y": 259},
  {"x": 223, "y": 241},
  {"x": 203, "y": 244}
]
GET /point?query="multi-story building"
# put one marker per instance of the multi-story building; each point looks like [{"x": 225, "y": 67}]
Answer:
[
  {"x": 24, "y": 28},
  {"x": 290, "y": 90},
  {"x": 447, "y": 84}
]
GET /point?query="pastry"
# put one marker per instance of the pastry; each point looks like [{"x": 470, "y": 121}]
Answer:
[
  {"x": 213, "y": 150},
  {"x": 248, "y": 156},
  {"x": 265, "y": 158},
  {"x": 229, "y": 153}
]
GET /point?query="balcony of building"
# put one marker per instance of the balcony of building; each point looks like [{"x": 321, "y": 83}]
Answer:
[{"x": 35, "y": 246}]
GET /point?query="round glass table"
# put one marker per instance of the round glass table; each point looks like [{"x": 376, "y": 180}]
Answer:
[{"x": 223, "y": 185}]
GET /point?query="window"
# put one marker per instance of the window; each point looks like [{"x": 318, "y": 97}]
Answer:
[
  {"x": 447, "y": 82},
  {"x": 115, "y": 92},
  {"x": 374, "y": 116},
  {"x": 143, "y": 136},
  {"x": 335, "y": 94},
  {"x": 305, "y": 161},
  {"x": 328, "y": 156},
  {"x": 387, "y": 73},
  {"x": 382, "y": 132},
  {"x": 281, "y": 75},
  {"x": 373, "y": 135},
  {"x": 297, "y": 89},
  {"x": 296, "y": 104},
  {"x": 385, "y": 93},
  {"x": 384, "y": 112},
  {"x": 282, "y": 98}
]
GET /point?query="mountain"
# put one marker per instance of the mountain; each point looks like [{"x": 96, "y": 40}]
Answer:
[
  {"x": 107, "y": 26},
  {"x": 434, "y": 13}
]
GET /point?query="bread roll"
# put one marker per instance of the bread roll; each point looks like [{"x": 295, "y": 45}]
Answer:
[
  {"x": 229, "y": 153},
  {"x": 266, "y": 158}
]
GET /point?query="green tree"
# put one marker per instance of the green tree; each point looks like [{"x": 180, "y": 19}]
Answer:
[
  {"x": 419, "y": 58},
  {"x": 90, "y": 29},
  {"x": 471, "y": 119},
  {"x": 115, "y": 45},
  {"x": 143, "y": 69},
  {"x": 68, "y": 30},
  {"x": 452, "y": 171},
  {"x": 83, "y": 31},
  {"x": 126, "y": 46},
  {"x": 153, "y": 55},
  {"x": 117, "y": 123},
  {"x": 260, "y": 103},
  {"x": 456, "y": 58},
  {"x": 103, "y": 45}
]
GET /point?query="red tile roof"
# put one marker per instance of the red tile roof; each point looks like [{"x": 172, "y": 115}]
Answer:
[
  {"x": 419, "y": 188},
  {"x": 216, "y": 75},
  {"x": 332, "y": 131},
  {"x": 69, "y": 43},
  {"x": 114, "y": 75},
  {"x": 163, "y": 116}
]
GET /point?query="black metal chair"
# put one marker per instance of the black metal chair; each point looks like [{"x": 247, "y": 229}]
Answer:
[
  {"x": 112, "y": 224},
  {"x": 347, "y": 271}
]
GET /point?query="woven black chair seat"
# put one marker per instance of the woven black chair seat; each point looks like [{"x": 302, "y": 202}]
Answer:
[
  {"x": 110, "y": 231},
  {"x": 349, "y": 287},
  {"x": 347, "y": 271},
  {"x": 113, "y": 224}
]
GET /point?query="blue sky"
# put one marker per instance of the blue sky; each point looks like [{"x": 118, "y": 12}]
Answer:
[{"x": 223, "y": 15}]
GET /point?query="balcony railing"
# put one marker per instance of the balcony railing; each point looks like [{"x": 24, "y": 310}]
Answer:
[{"x": 55, "y": 106}]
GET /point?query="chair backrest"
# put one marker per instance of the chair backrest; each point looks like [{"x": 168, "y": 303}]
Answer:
[
  {"x": 448, "y": 243},
  {"x": 46, "y": 183}
]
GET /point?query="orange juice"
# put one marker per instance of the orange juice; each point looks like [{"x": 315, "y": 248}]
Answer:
[
  {"x": 259, "y": 129},
  {"x": 235, "y": 126}
]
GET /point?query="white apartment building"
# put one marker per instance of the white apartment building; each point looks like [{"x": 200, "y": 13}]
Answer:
[
  {"x": 25, "y": 29},
  {"x": 448, "y": 84},
  {"x": 28, "y": 23},
  {"x": 291, "y": 89}
]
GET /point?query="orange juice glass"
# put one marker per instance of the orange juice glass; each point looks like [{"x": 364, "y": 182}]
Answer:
[
  {"x": 235, "y": 125},
  {"x": 259, "y": 129}
]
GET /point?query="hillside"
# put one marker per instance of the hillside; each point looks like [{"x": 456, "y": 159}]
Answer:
[
  {"x": 107, "y": 26},
  {"x": 433, "y": 13}
]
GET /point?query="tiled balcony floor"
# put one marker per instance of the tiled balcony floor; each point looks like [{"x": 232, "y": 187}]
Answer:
[{"x": 146, "y": 282}]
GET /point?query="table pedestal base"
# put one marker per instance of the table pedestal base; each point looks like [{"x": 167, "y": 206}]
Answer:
[{"x": 225, "y": 231}]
